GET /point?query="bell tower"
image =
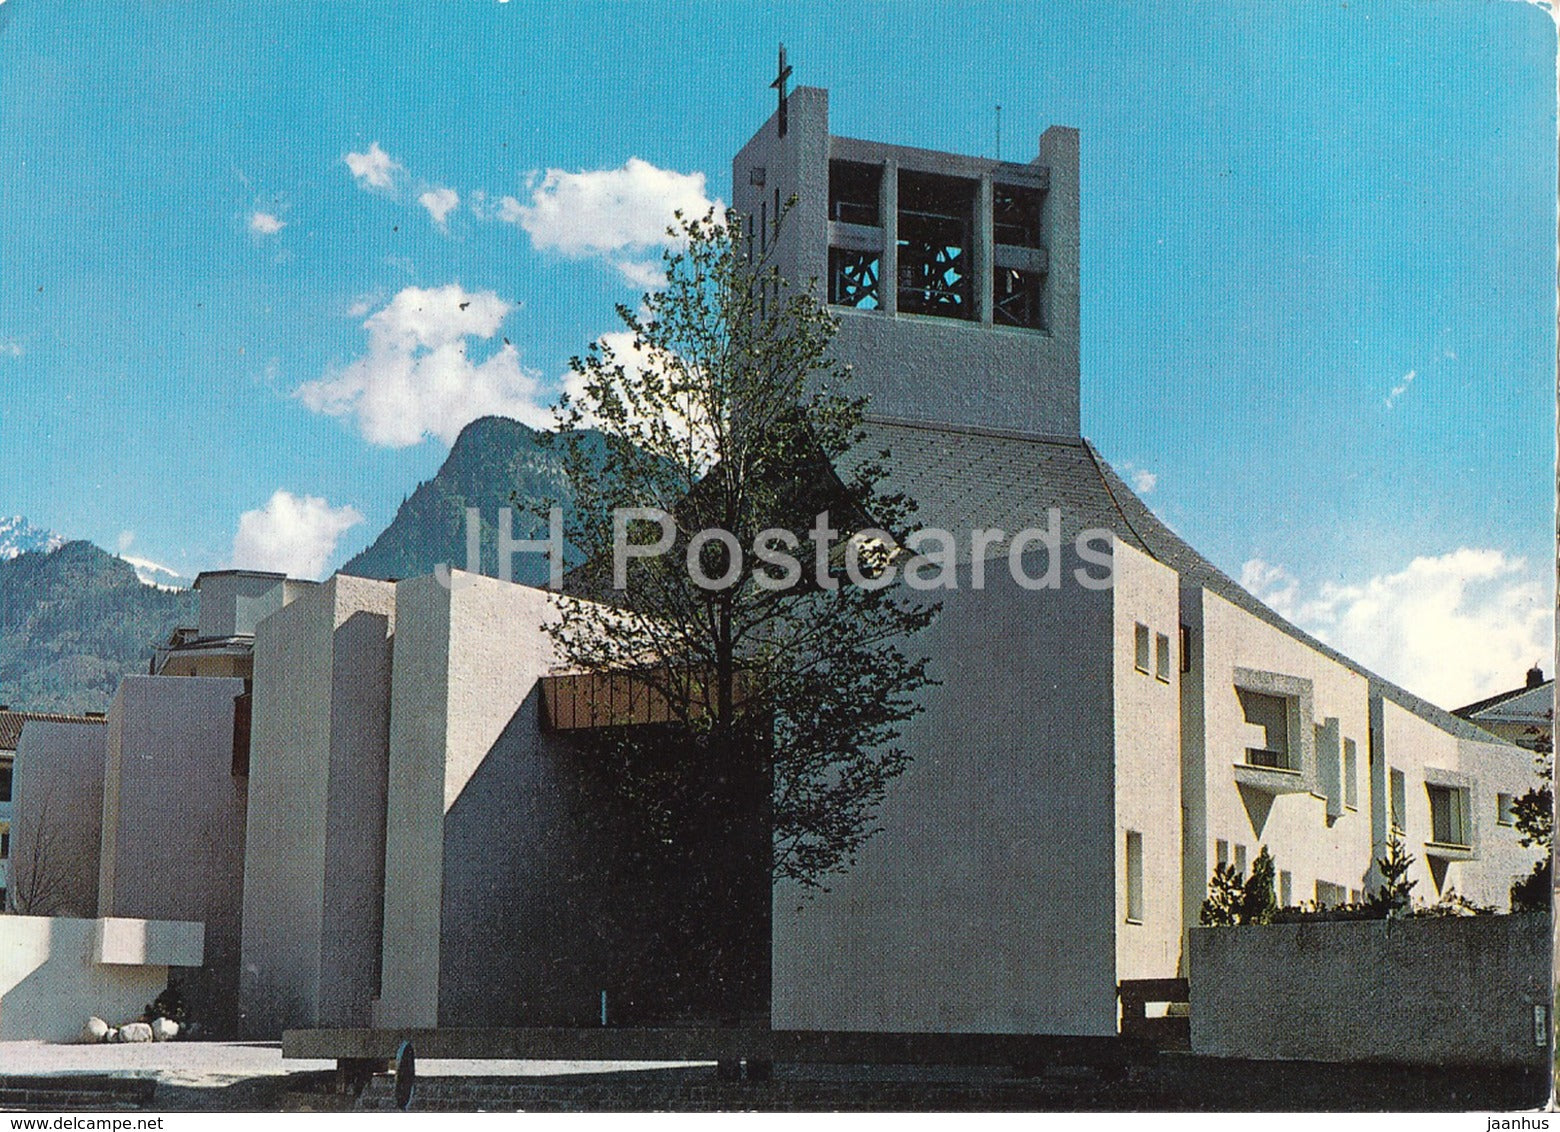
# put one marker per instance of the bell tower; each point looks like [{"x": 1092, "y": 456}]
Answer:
[{"x": 955, "y": 278}]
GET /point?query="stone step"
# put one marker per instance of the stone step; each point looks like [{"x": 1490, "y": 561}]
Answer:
[{"x": 87, "y": 1092}]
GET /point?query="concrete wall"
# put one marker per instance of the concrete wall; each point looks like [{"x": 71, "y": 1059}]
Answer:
[
  {"x": 52, "y": 978},
  {"x": 1426, "y": 754},
  {"x": 1444, "y": 992},
  {"x": 988, "y": 903},
  {"x": 314, "y": 863},
  {"x": 173, "y": 823},
  {"x": 56, "y": 831},
  {"x": 1310, "y": 835},
  {"x": 1148, "y": 766},
  {"x": 1016, "y": 378}
]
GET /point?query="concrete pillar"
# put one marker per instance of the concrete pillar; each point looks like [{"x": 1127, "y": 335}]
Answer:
[
  {"x": 888, "y": 216},
  {"x": 985, "y": 251}
]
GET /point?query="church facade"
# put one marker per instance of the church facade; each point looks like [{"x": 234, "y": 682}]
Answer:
[{"x": 422, "y": 846}]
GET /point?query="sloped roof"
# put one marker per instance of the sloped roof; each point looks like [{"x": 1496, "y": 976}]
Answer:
[
  {"x": 1516, "y": 705},
  {"x": 963, "y": 477},
  {"x": 11, "y": 724}
]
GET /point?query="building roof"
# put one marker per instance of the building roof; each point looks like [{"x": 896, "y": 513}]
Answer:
[
  {"x": 962, "y": 477},
  {"x": 1530, "y": 702},
  {"x": 11, "y": 723}
]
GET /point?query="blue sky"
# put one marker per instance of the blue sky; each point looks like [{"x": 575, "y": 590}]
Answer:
[{"x": 1287, "y": 211}]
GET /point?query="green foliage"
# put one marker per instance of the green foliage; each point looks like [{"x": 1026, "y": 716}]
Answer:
[
  {"x": 168, "y": 1004},
  {"x": 1233, "y": 899},
  {"x": 1226, "y": 890},
  {"x": 1394, "y": 896},
  {"x": 1534, "y": 814},
  {"x": 1257, "y": 903},
  {"x": 73, "y": 622},
  {"x": 726, "y": 412}
]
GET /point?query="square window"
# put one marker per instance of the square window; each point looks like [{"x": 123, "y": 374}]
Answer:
[
  {"x": 1267, "y": 719},
  {"x": 1449, "y": 823},
  {"x": 1140, "y": 647},
  {"x": 1162, "y": 657},
  {"x": 1504, "y": 813},
  {"x": 1134, "y": 877}
]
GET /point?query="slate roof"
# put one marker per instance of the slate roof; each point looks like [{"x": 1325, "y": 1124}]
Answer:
[
  {"x": 966, "y": 477},
  {"x": 11, "y": 724},
  {"x": 1515, "y": 705}
]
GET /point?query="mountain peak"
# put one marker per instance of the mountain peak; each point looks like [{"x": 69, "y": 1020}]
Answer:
[{"x": 18, "y": 536}]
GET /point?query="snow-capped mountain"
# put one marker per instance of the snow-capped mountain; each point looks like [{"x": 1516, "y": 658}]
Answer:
[
  {"x": 18, "y": 536},
  {"x": 155, "y": 574}
]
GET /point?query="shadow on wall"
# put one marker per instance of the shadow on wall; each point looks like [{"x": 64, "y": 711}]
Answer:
[
  {"x": 560, "y": 883},
  {"x": 51, "y": 981}
]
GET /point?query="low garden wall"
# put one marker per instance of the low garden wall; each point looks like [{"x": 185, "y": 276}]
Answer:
[{"x": 1433, "y": 990}]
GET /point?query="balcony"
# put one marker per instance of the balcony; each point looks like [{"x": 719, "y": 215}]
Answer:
[{"x": 1273, "y": 760}]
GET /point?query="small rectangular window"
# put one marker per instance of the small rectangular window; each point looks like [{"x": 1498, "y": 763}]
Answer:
[
  {"x": 1504, "y": 813},
  {"x": 1330, "y": 895},
  {"x": 1285, "y": 888},
  {"x": 1221, "y": 852},
  {"x": 1399, "y": 800},
  {"x": 5, "y": 783},
  {"x": 1351, "y": 782},
  {"x": 1162, "y": 657},
  {"x": 1240, "y": 860},
  {"x": 1186, "y": 648},
  {"x": 1134, "y": 877},
  {"x": 1354, "y": 896},
  {"x": 1140, "y": 643},
  {"x": 5, "y": 845}
]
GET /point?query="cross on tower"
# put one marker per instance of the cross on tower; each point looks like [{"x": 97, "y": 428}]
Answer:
[{"x": 779, "y": 87}]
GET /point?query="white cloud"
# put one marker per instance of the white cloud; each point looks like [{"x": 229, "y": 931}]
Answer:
[
  {"x": 1453, "y": 628},
  {"x": 292, "y": 534},
  {"x": 416, "y": 378},
  {"x": 616, "y": 214},
  {"x": 440, "y": 203},
  {"x": 1400, "y": 388},
  {"x": 125, "y": 541},
  {"x": 1143, "y": 481},
  {"x": 373, "y": 168},
  {"x": 265, "y": 223}
]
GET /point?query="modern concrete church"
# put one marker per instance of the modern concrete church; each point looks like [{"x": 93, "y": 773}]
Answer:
[{"x": 421, "y": 847}]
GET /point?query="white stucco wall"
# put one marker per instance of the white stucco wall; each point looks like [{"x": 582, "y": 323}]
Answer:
[
  {"x": 1420, "y": 750},
  {"x": 57, "y": 822},
  {"x": 173, "y": 823},
  {"x": 313, "y": 875},
  {"x": 51, "y": 980},
  {"x": 1296, "y": 828},
  {"x": 988, "y": 901},
  {"x": 466, "y": 662},
  {"x": 1148, "y": 765}
]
